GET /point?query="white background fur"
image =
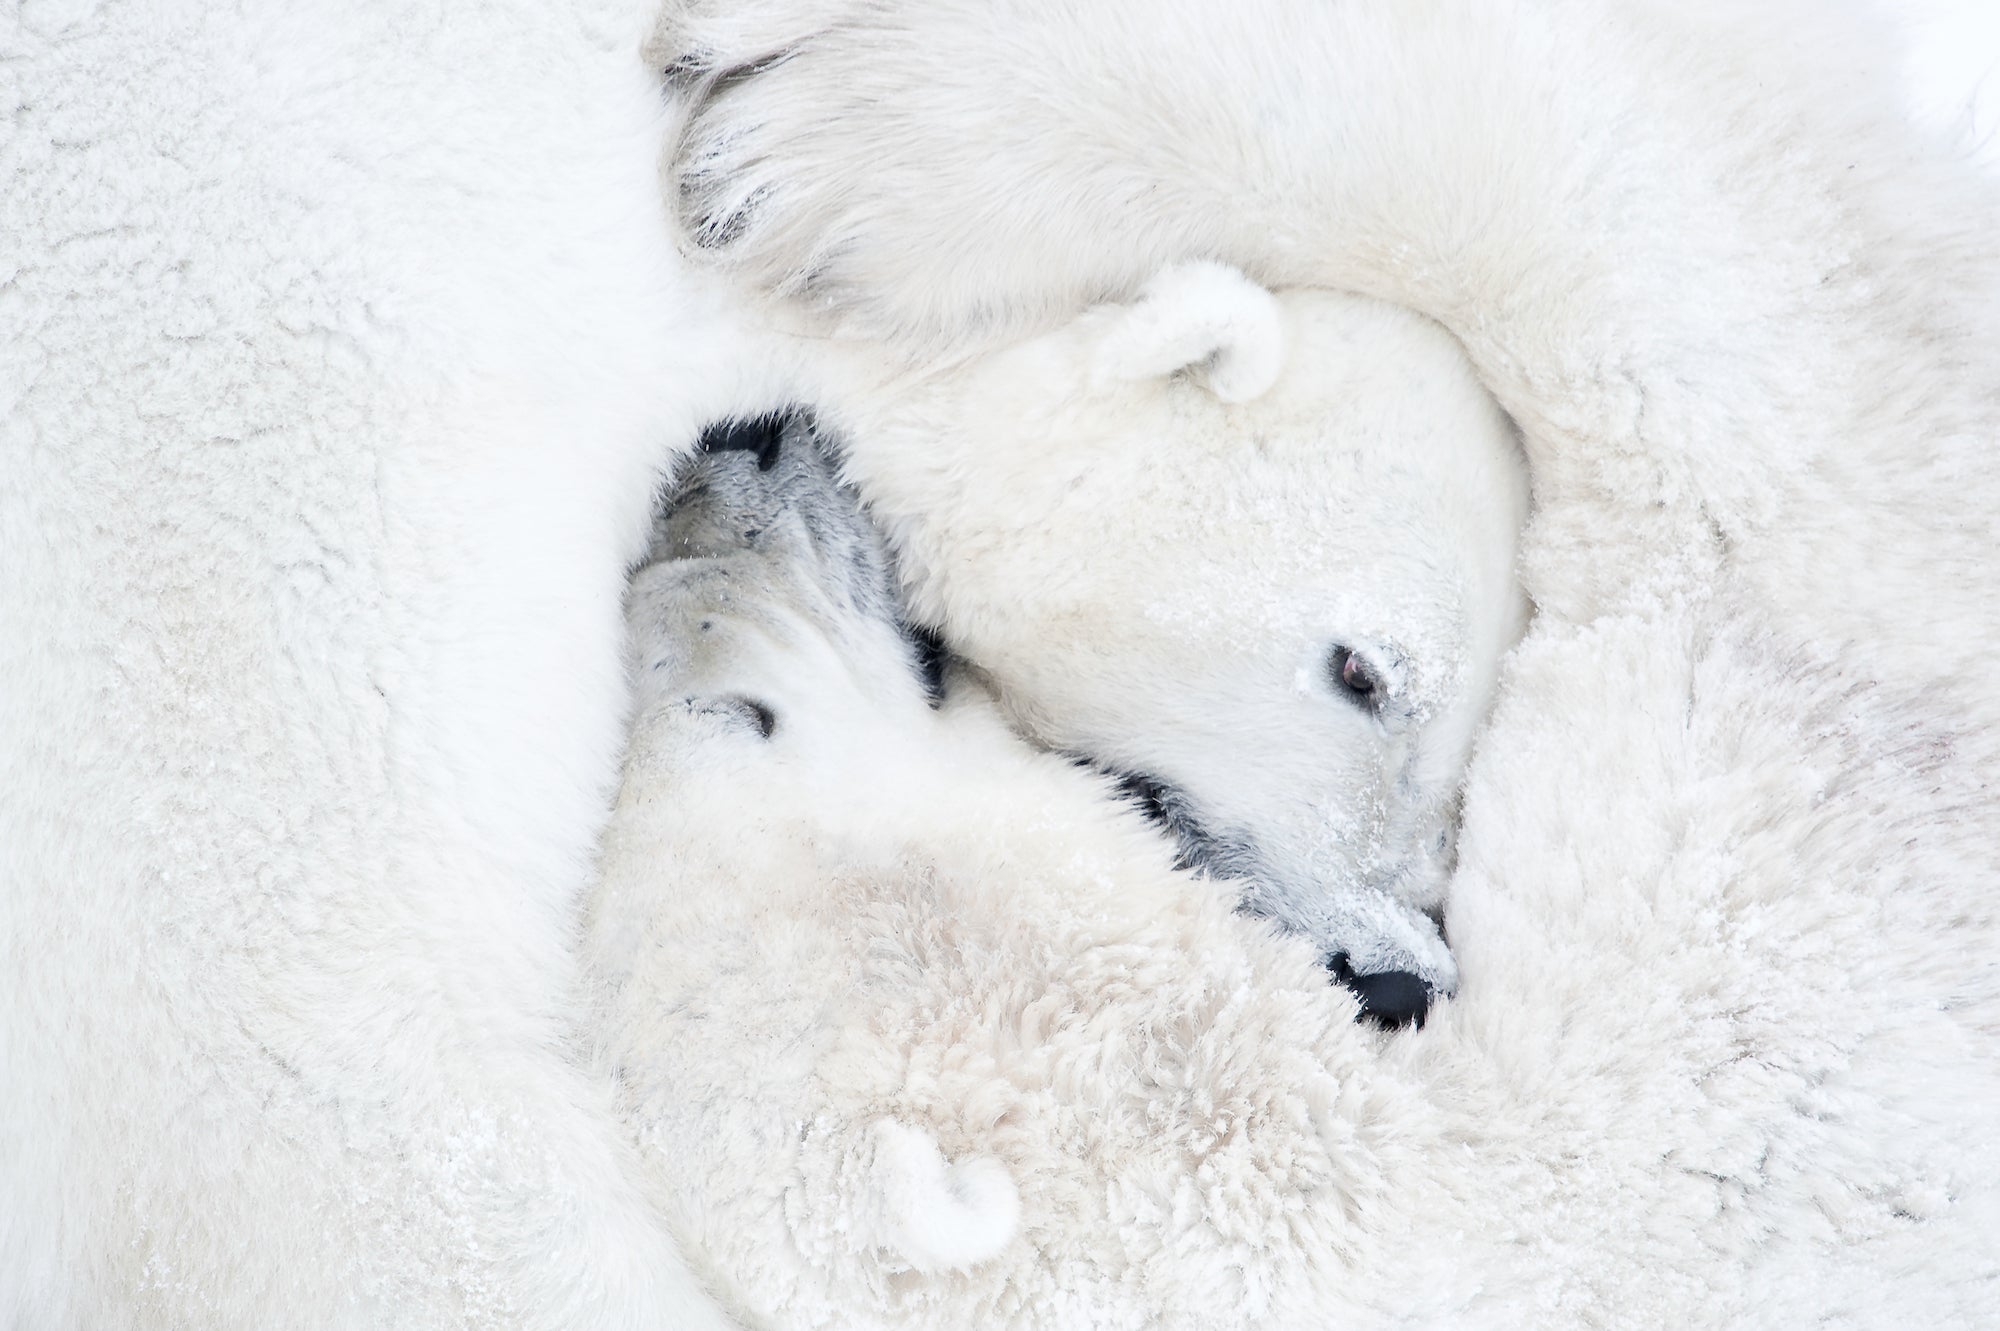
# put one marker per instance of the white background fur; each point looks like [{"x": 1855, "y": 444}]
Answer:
[{"x": 343, "y": 349}]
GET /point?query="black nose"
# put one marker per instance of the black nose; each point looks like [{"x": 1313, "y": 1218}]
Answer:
[{"x": 1388, "y": 998}]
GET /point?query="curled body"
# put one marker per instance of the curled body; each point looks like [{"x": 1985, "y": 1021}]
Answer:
[{"x": 1251, "y": 554}]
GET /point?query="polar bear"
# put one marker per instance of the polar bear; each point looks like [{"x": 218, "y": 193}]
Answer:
[
  {"x": 341, "y": 350},
  {"x": 1708, "y": 287},
  {"x": 1742, "y": 771},
  {"x": 1252, "y": 555}
]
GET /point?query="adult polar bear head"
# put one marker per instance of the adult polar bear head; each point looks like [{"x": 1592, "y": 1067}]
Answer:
[{"x": 1253, "y": 554}]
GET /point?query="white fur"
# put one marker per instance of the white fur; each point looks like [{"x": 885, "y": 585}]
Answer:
[
  {"x": 343, "y": 347},
  {"x": 1199, "y": 317},
  {"x": 936, "y": 1215},
  {"x": 1723, "y": 1051},
  {"x": 1157, "y": 577},
  {"x": 1952, "y": 70},
  {"x": 338, "y": 351},
  {"x": 820, "y": 954}
]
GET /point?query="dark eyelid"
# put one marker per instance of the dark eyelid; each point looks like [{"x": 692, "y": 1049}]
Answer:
[
  {"x": 1336, "y": 668},
  {"x": 756, "y": 713}
]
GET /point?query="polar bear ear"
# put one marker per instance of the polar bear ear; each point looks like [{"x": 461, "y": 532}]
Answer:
[{"x": 1202, "y": 317}]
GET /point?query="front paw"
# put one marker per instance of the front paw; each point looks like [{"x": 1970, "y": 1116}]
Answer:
[
  {"x": 694, "y": 40},
  {"x": 772, "y": 131},
  {"x": 912, "y": 169}
]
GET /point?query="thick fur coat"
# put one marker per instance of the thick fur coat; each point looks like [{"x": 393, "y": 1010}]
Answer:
[
  {"x": 343, "y": 350},
  {"x": 1724, "y": 1050},
  {"x": 913, "y": 1027},
  {"x": 340, "y": 354}
]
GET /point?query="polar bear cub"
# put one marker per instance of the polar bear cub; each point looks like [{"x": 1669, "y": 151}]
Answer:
[
  {"x": 1251, "y": 553},
  {"x": 910, "y": 1023},
  {"x": 784, "y": 757}
]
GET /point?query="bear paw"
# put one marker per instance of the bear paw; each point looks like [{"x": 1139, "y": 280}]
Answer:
[{"x": 935, "y": 1215}]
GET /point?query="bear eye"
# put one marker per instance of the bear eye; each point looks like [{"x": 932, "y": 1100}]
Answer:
[
  {"x": 752, "y": 713},
  {"x": 1353, "y": 676}
]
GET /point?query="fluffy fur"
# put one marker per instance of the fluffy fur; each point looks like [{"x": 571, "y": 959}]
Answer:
[
  {"x": 1162, "y": 564},
  {"x": 925, "y": 1031},
  {"x": 342, "y": 350},
  {"x": 339, "y": 351},
  {"x": 1725, "y": 918}
]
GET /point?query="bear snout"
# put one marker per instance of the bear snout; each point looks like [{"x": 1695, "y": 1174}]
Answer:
[{"x": 1390, "y": 999}]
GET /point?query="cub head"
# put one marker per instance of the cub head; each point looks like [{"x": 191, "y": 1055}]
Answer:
[{"x": 1251, "y": 555}]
